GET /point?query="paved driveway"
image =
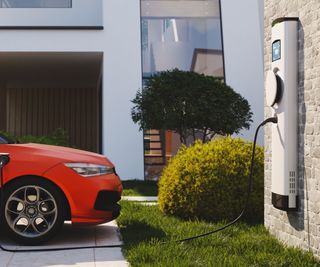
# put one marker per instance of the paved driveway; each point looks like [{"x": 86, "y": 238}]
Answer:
[{"x": 106, "y": 234}]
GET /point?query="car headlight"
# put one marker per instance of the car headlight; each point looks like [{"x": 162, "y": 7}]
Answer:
[{"x": 89, "y": 170}]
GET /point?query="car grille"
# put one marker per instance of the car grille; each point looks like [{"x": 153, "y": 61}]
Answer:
[{"x": 107, "y": 201}]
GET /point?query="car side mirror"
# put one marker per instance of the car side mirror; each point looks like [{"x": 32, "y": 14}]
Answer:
[{"x": 4, "y": 159}]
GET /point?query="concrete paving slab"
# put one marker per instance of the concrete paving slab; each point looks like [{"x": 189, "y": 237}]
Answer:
[
  {"x": 136, "y": 198},
  {"x": 114, "y": 255},
  {"x": 109, "y": 236},
  {"x": 83, "y": 258},
  {"x": 106, "y": 234},
  {"x": 5, "y": 258}
]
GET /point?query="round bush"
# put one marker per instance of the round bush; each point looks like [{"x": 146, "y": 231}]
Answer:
[{"x": 210, "y": 181}]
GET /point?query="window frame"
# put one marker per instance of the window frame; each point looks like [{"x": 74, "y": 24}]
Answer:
[{"x": 39, "y": 7}]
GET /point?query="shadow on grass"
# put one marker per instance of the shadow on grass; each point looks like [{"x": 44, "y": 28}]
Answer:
[
  {"x": 137, "y": 232},
  {"x": 142, "y": 188}
]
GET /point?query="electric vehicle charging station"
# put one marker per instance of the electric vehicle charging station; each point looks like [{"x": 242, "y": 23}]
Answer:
[{"x": 282, "y": 97}]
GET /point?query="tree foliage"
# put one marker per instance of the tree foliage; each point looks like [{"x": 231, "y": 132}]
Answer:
[{"x": 190, "y": 103}]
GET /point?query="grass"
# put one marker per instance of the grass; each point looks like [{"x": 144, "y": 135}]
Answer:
[
  {"x": 145, "y": 229},
  {"x": 140, "y": 188}
]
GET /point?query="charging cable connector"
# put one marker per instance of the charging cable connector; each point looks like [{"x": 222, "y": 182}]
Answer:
[{"x": 272, "y": 119}]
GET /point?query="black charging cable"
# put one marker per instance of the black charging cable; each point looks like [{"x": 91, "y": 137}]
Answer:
[
  {"x": 272, "y": 120},
  {"x": 4, "y": 160}
]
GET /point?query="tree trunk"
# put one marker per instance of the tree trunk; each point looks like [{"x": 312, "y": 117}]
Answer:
[
  {"x": 204, "y": 135},
  {"x": 194, "y": 135},
  {"x": 183, "y": 138}
]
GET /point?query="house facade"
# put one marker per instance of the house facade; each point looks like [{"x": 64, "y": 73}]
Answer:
[
  {"x": 298, "y": 227},
  {"x": 77, "y": 64}
]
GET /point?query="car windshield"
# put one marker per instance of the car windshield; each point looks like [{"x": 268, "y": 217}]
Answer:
[{"x": 5, "y": 140}]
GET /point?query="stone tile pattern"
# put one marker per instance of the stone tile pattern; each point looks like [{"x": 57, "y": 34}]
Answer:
[{"x": 302, "y": 228}]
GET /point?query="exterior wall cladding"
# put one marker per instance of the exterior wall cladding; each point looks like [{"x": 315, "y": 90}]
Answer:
[{"x": 301, "y": 228}]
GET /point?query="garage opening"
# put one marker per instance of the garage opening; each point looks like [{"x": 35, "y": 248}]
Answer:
[{"x": 43, "y": 92}]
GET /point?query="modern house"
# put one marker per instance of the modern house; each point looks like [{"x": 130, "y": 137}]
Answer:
[{"x": 77, "y": 64}]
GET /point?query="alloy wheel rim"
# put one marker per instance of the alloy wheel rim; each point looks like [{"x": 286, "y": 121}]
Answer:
[{"x": 31, "y": 211}]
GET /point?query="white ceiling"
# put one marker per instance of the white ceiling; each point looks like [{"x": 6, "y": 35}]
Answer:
[
  {"x": 180, "y": 8},
  {"x": 55, "y": 68}
]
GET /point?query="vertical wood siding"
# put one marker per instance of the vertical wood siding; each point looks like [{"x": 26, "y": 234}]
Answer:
[
  {"x": 3, "y": 101},
  {"x": 37, "y": 112}
]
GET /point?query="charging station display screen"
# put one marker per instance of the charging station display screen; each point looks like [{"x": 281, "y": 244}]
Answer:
[{"x": 276, "y": 50}]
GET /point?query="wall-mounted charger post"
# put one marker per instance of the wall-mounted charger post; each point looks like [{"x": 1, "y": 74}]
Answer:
[{"x": 282, "y": 96}]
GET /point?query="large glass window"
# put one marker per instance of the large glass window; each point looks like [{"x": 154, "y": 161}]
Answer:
[
  {"x": 181, "y": 34},
  {"x": 35, "y": 3}
]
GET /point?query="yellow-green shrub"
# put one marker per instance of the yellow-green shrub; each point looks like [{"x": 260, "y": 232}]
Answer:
[{"x": 210, "y": 181}]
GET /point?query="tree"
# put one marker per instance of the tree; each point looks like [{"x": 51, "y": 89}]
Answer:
[{"x": 190, "y": 104}]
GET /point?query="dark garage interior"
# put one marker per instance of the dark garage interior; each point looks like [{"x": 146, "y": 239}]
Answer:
[{"x": 41, "y": 92}]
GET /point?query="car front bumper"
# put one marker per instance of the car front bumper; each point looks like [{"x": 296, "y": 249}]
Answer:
[{"x": 92, "y": 200}]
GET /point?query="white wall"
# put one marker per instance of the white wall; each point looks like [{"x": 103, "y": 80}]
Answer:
[
  {"x": 83, "y": 13},
  {"x": 120, "y": 43},
  {"x": 243, "y": 51},
  {"x": 121, "y": 80}
]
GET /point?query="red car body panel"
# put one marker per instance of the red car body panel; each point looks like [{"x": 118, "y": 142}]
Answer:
[{"x": 48, "y": 162}]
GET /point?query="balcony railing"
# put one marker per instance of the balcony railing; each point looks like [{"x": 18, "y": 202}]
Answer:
[{"x": 35, "y": 3}]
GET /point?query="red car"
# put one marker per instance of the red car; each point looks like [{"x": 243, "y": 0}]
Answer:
[{"x": 46, "y": 185}]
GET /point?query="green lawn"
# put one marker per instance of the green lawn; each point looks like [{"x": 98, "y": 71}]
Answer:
[
  {"x": 140, "y": 188},
  {"x": 144, "y": 229}
]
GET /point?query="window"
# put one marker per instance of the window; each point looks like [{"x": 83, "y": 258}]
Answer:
[
  {"x": 36, "y": 3},
  {"x": 181, "y": 34}
]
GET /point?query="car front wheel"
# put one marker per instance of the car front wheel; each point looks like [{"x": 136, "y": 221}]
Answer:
[{"x": 33, "y": 210}]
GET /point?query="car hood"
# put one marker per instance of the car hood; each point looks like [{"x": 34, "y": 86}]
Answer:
[{"x": 56, "y": 154}]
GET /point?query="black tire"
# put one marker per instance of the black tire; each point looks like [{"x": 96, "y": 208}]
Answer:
[{"x": 32, "y": 212}]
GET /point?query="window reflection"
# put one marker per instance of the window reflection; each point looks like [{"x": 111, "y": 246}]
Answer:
[
  {"x": 181, "y": 34},
  {"x": 36, "y": 3}
]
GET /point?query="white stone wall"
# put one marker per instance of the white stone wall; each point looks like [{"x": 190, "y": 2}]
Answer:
[{"x": 302, "y": 228}]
